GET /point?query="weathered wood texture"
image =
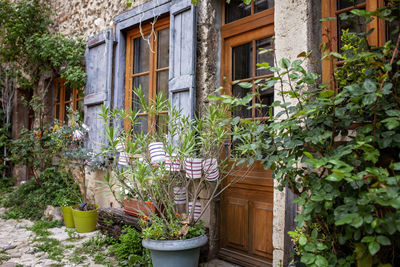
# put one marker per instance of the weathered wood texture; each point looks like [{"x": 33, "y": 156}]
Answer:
[
  {"x": 182, "y": 56},
  {"x": 99, "y": 53},
  {"x": 110, "y": 221},
  {"x": 124, "y": 23}
]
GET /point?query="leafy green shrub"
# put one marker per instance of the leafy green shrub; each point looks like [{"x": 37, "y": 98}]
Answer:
[
  {"x": 29, "y": 200},
  {"x": 337, "y": 148},
  {"x": 129, "y": 250}
]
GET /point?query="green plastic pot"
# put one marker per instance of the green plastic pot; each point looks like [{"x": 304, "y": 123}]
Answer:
[
  {"x": 85, "y": 221},
  {"x": 68, "y": 219}
]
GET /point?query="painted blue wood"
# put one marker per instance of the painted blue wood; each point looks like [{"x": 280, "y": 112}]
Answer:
[
  {"x": 123, "y": 23},
  {"x": 99, "y": 59},
  {"x": 143, "y": 10},
  {"x": 182, "y": 57}
]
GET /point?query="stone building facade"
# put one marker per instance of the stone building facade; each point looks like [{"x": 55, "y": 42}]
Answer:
[{"x": 293, "y": 23}]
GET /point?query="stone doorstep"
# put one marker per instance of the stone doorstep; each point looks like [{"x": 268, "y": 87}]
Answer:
[{"x": 218, "y": 263}]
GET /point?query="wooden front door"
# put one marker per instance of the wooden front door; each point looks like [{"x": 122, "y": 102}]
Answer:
[{"x": 247, "y": 206}]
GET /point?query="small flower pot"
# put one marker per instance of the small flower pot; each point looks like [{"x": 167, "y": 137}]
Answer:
[
  {"x": 123, "y": 159},
  {"x": 193, "y": 168},
  {"x": 68, "y": 219},
  {"x": 175, "y": 253},
  {"x": 157, "y": 153},
  {"x": 136, "y": 208},
  {"x": 120, "y": 147},
  {"x": 172, "y": 163},
  {"x": 85, "y": 221},
  {"x": 179, "y": 195},
  {"x": 197, "y": 210},
  {"x": 210, "y": 169}
]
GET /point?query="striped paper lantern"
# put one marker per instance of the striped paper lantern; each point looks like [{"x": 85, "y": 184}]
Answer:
[
  {"x": 193, "y": 168},
  {"x": 180, "y": 195},
  {"x": 157, "y": 153},
  {"x": 197, "y": 210}
]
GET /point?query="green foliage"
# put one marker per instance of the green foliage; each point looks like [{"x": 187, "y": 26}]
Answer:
[
  {"x": 337, "y": 149},
  {"x": 30, "y": 199},
  {"x": 152, "y": 184},
  {"x": 129, "y": 250},
  {"x": 29, "y": 47},
  {"x": 72, "y": 234},
  {"x": 40, "y": 228},
  {"x": 51, "y": 246}
]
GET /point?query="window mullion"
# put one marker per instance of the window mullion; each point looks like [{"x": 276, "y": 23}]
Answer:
[{"x": 253, "y": 74}]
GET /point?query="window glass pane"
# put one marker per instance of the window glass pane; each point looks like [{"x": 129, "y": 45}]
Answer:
[
  {"x": 57, "y": 92},
  {"x": 235, "y": 10},
  {"x": 241, "y": 62},
  {"x": 392, "y": 30},
  {"x": 242, "y": 111},
  {"x": 142, "y": 81},
  {"x": 57, "y": 112},
  {"x": 265, "y": 43},
  {"x": 260, "y": 5},
  {"x": 162, "y": 83},
  {"x": 140, "y": 125},
  {"x": 141, "y": 55},
  {"x": 265, "y": 97},
  {"x": 354, "y": 24},
  {"x": 162, "y": 123},
  {"x": 348, "y": 3},
  {"x": 68, "y": 94},
  {"x": 163, "y": 49}
]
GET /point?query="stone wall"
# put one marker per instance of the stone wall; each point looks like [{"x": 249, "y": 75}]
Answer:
[
  {"x": 208, "y": 50},
  {"x": 297, "y": 29},
  {"x": 85, "y": 18}
]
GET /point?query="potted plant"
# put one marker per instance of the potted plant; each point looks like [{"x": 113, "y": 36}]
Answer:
[
  {"x": 77, "y": 157},
  {"x": 165, "y": 172},
  {"x": 67, "y": 199}
]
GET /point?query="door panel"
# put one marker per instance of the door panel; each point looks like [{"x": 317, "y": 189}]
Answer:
[
  {"x": 262, "y": 234},
  {"x": 237, "y": 230}
]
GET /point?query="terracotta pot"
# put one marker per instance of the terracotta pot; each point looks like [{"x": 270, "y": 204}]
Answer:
[{"x": 137, "y": 208}]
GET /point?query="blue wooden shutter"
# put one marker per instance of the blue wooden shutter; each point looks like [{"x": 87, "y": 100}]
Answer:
[
  {"x": 99, "y": 58},
  {"x": 182, "y": 57}
]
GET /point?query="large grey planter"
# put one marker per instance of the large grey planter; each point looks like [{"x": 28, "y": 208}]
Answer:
[{"x": 175, "y": 253}]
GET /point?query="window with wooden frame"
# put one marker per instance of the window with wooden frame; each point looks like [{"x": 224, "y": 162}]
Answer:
[
  {"x": 147, "y": 66},
  {"x": 332, "y": 29},
  {"x": 247, "y": 30},
  {"x": 66, "y": 98}
]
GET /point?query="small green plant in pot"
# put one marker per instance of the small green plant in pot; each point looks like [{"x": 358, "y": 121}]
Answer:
[
  {"x": 167, "y": 169},
  {"x": 68, "y": 198},
  {"x": 76, "y": 157}
]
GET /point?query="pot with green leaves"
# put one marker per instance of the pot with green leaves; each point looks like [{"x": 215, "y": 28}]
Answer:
[
  {"x": 85, "y": 217},
  {"x": 165, "y": 174}
]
